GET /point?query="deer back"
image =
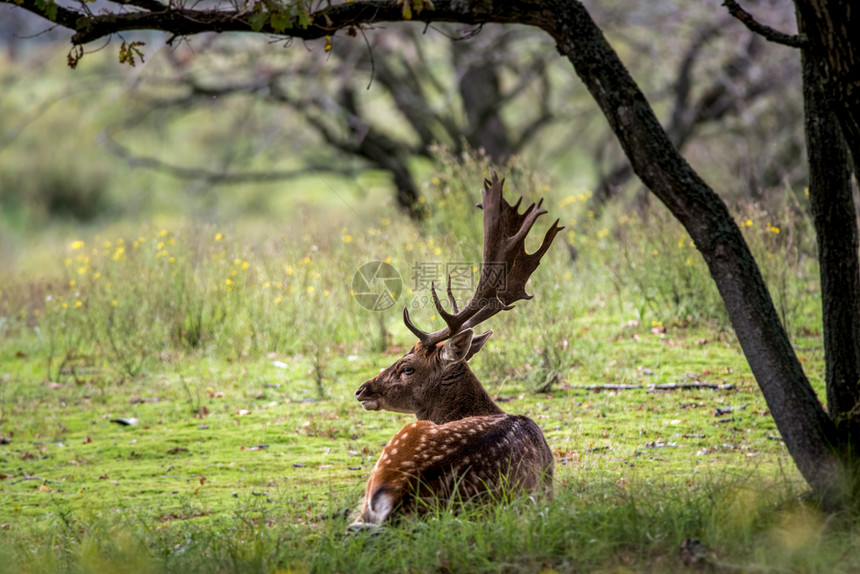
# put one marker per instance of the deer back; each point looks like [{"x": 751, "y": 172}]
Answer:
[{"x": 477, "y": 457}]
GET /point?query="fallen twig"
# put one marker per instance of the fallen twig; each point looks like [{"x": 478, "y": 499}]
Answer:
[{"x": 655, "y": 387}]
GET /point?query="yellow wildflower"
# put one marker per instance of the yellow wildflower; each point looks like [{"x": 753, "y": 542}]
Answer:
[
  {"x": 113, "y": 303},
  {"x": 78, "y": 304},
  {"x": 347, "y": 238},
  {"x": 310, "y": 288},
  {"x": 77, "y": 244},
  {"x": 72, "y": 283},
  {"x": 219, "y": 237}
]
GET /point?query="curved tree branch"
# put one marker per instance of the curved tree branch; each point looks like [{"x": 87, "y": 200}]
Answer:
[
  {"x": 209, "y": 176},
  {"x": 747, "y": 19}
]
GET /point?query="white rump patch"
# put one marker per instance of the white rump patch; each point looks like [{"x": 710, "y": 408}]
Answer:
[{"x": 379, "y": 511}]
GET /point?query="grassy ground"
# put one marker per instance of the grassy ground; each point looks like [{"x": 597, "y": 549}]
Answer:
[{"x": 242, "y": 465}]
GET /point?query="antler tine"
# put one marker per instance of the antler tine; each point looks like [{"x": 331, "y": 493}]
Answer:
[
  {"x": 423, "y": 336},
  {"x": 451, "y": 296},
  {"x": 446, "y": 316},
  {"x": 529, "y": 219},
  {"x": 526, "y": 265}
]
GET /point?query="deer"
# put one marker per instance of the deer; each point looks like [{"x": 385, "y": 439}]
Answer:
[{"x": 462, "y": 446}]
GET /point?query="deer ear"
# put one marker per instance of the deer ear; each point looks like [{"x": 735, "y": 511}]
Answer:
[
  {"x": 457, "y": 347},
  {"x": 478, "y": 343}
]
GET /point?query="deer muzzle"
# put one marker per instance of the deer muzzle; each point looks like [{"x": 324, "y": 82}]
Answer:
[{"x": 368, "y": 399}]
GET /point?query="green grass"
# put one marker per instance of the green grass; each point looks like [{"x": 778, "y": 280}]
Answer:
[{"x": 190, "y": 488}]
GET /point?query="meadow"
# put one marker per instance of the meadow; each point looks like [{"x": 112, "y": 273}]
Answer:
[{"x": 234, "y": 347}]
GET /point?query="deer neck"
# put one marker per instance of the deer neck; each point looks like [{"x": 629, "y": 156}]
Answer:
[{"x": 462, "y": 396}]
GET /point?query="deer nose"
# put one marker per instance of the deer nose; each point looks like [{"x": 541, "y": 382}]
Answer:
[{"x": 359, "y": 391}]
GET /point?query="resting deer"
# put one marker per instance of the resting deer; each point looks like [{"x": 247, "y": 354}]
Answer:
[{"x": 463, "y": 445}]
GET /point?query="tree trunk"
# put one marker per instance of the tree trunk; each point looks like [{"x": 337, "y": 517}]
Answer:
[
  {"x": 835, "y": 218},
  {"x": 833, "y": 30},
  {"x": 808, "y": 432},
  {"x": 385, "y": 154},
  {"x": 480, "y": 90}
]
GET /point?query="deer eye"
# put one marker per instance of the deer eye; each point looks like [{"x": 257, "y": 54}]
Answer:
[{"x": 407, "y": 371}]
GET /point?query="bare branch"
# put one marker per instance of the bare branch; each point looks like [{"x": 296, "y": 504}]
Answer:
[
  {"x": 187, "y": 22},
  {"x": 747, "y": 19},
  {"x": 213, "y": 177},
  {"x": 151, "y": 5}
]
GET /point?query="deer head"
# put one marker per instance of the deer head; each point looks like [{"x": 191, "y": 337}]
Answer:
[{"x": 433, "y": 380}]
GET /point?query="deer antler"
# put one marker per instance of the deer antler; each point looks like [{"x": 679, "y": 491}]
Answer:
[{"x": 505, "y": 270}]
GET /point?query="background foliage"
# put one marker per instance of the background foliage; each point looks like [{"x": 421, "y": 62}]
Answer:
[{"x": 221, "y": 317}]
